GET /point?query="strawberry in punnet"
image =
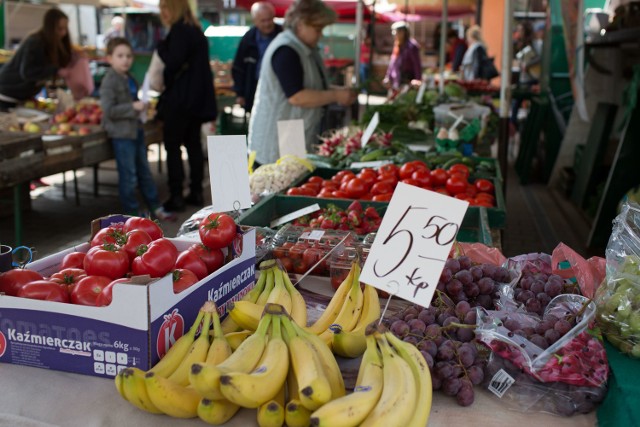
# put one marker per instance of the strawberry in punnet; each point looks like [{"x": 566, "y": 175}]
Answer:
[
  {"x": 355, "y": 206},
  {"x": 371, "y": 213},
  {"x": 328, "y": 224},
  {"x": 354, "y": 218}
]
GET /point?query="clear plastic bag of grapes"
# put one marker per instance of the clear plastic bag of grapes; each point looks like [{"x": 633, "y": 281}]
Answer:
[{"x": 618, "y": 298}]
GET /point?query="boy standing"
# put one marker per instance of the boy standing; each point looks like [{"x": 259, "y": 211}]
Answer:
[{"x": 121, "y": 110}]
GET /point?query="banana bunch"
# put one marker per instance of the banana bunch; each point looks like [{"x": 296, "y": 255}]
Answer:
[
  {"x": 393, "y": 388},
  {"x": 273, "y": 287},
  {"x": 165, "y": 388}
]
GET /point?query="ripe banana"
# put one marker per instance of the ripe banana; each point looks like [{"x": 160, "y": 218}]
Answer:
[
  {"x": 279, "y": 294},
  {"x": 171, "y": 398},
  {"x": 228, "y": 325},
  {"x": 335, "y": 305},
  {"x": 298, "y": 304},
  {"x": 216, "y": 412},
  {"x": 135, "y": 390},
  {"x": 246, "y": 314},
  {"x": 197, "y": 352},
  {"x": 118, "y": 382},
  {"x": 351, "y": 309},
  {"x": 205, "y": 378},
  {"x": 219, "y": 350},
  {"x": 250, "y": 390},
  {"x": 313, "y": 386},
  {"x": 236, "y": 338},
  {"x": 351, "y": 410},
  {"x": 398, "y": 399},
  {"x": 268, "y": 287},
  {"x": 295, "y": 415},
  {"x": 177, "y": 352},
  {"x": 352, "y": 343},
  {"x": 271, "y": 414},
  {"x": 421, "y": 373}
]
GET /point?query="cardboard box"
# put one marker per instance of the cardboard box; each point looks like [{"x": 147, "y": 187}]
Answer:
[{"x": 136, "y": 329}]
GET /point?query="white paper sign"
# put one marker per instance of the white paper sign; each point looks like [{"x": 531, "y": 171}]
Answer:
[
  {"x": 291, "y": 138},
  {"x": 421, "y": 91},
  {"x": 376, "y": 164},
  {"x": 229, "y": 172},
  {"x": 373, "y": 124},
  {"x": 413, "y": 243},
  {"x": 293, "y": 215}
]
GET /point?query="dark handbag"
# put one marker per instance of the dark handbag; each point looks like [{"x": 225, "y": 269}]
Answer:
[{"x": 488, "y": 68}]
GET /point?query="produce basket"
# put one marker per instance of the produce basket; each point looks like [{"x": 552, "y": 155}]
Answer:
[
  {"x": 21, "y": 156},
  {"x": 475, "y": 226}
]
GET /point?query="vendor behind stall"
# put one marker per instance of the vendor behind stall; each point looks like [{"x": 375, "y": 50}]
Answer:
[{"x": 39, "y": 58}]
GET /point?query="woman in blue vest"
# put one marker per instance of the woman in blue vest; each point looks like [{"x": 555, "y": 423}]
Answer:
[{"x": 293, "y": 81}]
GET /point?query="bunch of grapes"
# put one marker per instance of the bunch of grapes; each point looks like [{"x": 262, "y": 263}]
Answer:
[
  {"x": 536, "y": 289},
  {"x": 554, "y": 397}
]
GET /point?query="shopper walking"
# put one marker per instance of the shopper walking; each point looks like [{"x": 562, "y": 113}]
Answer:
[
  {"x": 529, "y": 57},
  {"x": 404, "y": 64},
  {"x": 187, "y": 101},
  {"x": 476, "y": 64},
  {"x": 120, "y": 118},
  {"x": 40, "y": 57},
  {"x": 293, "y": 81},
  {"x": 248, "y": 58}
]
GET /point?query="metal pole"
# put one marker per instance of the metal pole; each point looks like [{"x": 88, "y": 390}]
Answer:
[
  {"x": 359, "y": 21},
  {"x": 443, "y": 42},
  {"x": 505, "y": 89},
  {"x": 479, "y": 12}
]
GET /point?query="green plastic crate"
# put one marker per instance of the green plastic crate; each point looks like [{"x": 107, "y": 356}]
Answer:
[{"x": 475, "y": 226}]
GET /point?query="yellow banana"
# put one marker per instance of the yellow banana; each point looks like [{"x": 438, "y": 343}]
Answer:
[
  {"x": 279, "y": 294},
  {"x": 118, "y": 382},
  {"x": 228, "y": 325},
  {"x": 135, "y": 390},
  {"x": 295, "y": 414},
  {"x": 205, "y": 378},
  {"x": 250, "y": 390},
  {"x": 216, "y": 412},
  {"x": 171, "y": 398},
  {"x": 398, "y": 399},
  {"x": 421, "y": 373},
  {"x": 219, "y": 350},
  {"x": 271, "y": 414},
  {"x": 298, "y": 304},
  {"x": 352, "y": 343},
  {"x": 197, "y": 352},
  {"x": 268, "y": 287},
  {"x": 350, "y": 312},
  {"x": 246, "y": 314},
  {"x": 335, "y": 305},
  {"x": 236, "y": 338},
  {"x": 351, "y": 410},
  {"x": 313, "y": 386},
  {"x": 327, "y": 361},
  {"x": 170, "y": 362}
]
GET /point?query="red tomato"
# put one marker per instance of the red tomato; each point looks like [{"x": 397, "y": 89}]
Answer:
[
  {"x": 287, "y": 264},
  {"x": 411, "y": 181},
  {"x": 213, "y": 258},
  {"x": 294, "y": 191},
  {"x": 464, "y": 196},
  {"x": 441, "y": 190},
  {"x": 456, "y": 185},
  {"x": 192, "y": 262},
  {"x": 106, "y": 296},
  {"x": 152, "y": 228},
  {"x": 73, "y": 260},
  {"x": 106, "y": 260},
  {"x": 87, "y": 290},
  {"x": 484, "y": 185},
  {"x": 381, "y": 188},
  {"x": 382, "y": 197},
  {"x": 44, "y": 290},
  {"x": 482, "y": 202},
  {"x": 329, "y": 185},
  {"x": 316, "y": 180},
  {"x": 347, "y": 176},
  {"x": 133, "y": 240},
  {"x": 388, "y": 177},
  {"x": 340, "y": 194},
  {"x": 114, "y": 234},
  {"x": 299, "y": 266},
  {"x": 312, "y": 186},
  {"x": 356, "y": 188},
  {"x": 460, "y": 168},
  {"x": 368, "y": 176},
  {"x": 296, "y": 251},
  {"x": 325, "y": 193},
  {"x": 388, "y": 169},
  {"x": 471, "y": 191},
  {"x": 406, "y": 170},
  {"x": 68, "y": 276},
  {"x": 11, "y": 281},
  {"x": 438, "y": 177},
  {"x": 420, "y": 165},
  {"x": 156, "y": 260},
  {"x": 217, "y": 231},
  {"x": 486, "y": 196},
  {"x": 183, "y": 279},
  {"x": 311, "y": 256},
  {"x": 305, "y": 191},
  {"x": 423, "y": 177}
]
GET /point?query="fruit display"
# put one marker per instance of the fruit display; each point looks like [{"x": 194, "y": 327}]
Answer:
[
  {"x": 275, "y": 177},
  {"x": 354, "y": 218},
  {"x": 82, "y": 113},
  {"x": 475, "y": 86},
  {"x": 379, "y": 184}
]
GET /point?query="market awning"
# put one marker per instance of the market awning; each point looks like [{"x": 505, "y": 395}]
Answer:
[{"x": 433, "y": 8}]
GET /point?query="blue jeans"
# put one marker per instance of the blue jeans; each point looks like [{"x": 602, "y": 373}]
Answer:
[{"x": 134, "y": 172}]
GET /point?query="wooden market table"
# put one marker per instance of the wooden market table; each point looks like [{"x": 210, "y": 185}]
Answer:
[{"x": 25, "y": 157}]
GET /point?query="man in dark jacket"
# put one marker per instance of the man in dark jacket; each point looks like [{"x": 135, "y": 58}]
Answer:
[{"x": 246, "y": 64}]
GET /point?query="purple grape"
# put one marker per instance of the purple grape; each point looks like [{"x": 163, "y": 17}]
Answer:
[
  {"x": 412, "y": 310},
  {"x": 461, "y": 296},
  {"x": 465, "y": 395},
  {"x": 446, "y": 351},
  {"x": 429, "y": 347},
  {"x": 486, "y": 285},
  {"x": 466, "y": 356},
  {"x": 410, "y": 316},
  {"x": 464, "y": 276},
  {"x": 456, "y": 370},
  {"x": 488, "y": 270},
  {"x": 476, "y": 272},
  {"x": 451, "y": 386},
  {"x": 427, "y": 317},
  {"x": 475, "y": 374},
  {"x": 539, "y": 340},
  {"x": 537, "y": 287},
  {"x": 410, "y": 339},
  {"x": 465, "y": 262},
  {"x": 541, "y": 276},
  {"x": 485, "y": 301},
  {"x": 462, "y": 308},
  {"x": 471, "y": 290},
  {"x": 454, "y": 287},
  {"x": 441, "y": 286},
  {"x": 446, "y": 275},
  {"x": 544, "y": 299},
  {"x": 432, "y": 332},
  {"x": 443, "y": 370},
  {"x": 523, "y": 296},
  {"x": 520, "y": 332},
  {"x": 543, "y": 327},
  {"x": 470, "y": 317},
  {"x": 511, "y": 324},
  {"x": 502, "y": 275},
  {"x": 525, "y": 282},
  {"x": 436, "y": 382},
  {"x": 417, "y": 324},
  {"x": 533, "y": 305},
  {"x": 553, "y": 289},
  {"x": 450, "y": 320},
  {"x": 551, "y": 335},
  {"x": 452, "y": 265},
  {"x": 399, "y": 328},
  {"x": 465, "y": 334},
  {"x": 528, "y": 331},
  {"x": 562, "y": 326}
]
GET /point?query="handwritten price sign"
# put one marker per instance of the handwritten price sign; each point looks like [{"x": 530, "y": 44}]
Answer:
[{"x": 413, "y": 243}]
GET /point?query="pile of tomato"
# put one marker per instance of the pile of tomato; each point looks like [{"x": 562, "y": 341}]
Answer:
[
  {"x": 379, "y": 184},
  {"x": 136, "y": 247}
]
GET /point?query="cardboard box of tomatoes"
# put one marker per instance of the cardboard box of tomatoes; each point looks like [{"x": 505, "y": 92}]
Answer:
[{"x": 136, "y": 329}]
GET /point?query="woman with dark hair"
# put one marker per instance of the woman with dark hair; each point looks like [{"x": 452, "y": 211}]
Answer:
[
  {"x": 187, "y": 102},
  {"x": 40, "y": 57},
  {"x": 404, "y": 64},
  {"x": 293, "y": 81}
]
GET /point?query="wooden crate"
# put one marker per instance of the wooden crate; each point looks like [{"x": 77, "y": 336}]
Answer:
[
  {"x": 96, "y": 147},
  {"x": 61, "y": 155},
  {"x": 21, "y": 157}
]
